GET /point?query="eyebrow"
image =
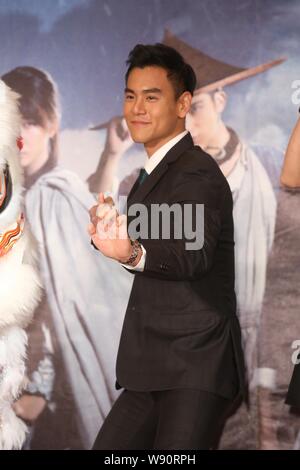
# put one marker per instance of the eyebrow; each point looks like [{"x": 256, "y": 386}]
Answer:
[
  {"x": 200, "y": 100},
  {"x": 149, "y": 90}
]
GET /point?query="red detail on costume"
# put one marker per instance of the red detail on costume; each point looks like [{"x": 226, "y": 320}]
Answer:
[{"x": 10, "y": 237}]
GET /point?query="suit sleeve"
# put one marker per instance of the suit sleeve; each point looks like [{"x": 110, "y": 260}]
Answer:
[{"x": 171, "y": 259}]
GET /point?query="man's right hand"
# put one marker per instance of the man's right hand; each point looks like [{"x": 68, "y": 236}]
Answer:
[{"x": 108, "y": 231}]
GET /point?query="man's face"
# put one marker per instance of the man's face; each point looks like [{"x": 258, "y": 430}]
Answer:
[
  {"x": 204, "y": 118},
  {"x": 152, "y": 113}
]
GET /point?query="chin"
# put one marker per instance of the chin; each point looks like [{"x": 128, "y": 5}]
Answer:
[
  {"x": 23, "y": 163},
  {"x": 138, "y": 138},
  {"x": 199, "y": 140}
]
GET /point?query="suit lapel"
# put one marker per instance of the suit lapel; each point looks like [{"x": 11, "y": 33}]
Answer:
[{"x": 138, "y": 194}]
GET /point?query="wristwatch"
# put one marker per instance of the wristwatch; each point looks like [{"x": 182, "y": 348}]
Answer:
[{"x": 135, "y": 251}]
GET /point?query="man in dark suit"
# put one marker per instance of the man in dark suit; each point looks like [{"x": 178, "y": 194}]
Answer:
[
  {"x": 180, "y": 359},
  {"x": 293, "y": 395}
]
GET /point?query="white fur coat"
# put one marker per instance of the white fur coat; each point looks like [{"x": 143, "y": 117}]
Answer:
[{"x": 19, "y": 282}]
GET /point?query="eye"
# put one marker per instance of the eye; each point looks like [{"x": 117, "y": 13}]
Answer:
[
  {"x": 151, "y": 98},
  {"x": 196, "y": 107},
  {"x": 28, "y": 124},
  {"x": 129, "y": 97}
]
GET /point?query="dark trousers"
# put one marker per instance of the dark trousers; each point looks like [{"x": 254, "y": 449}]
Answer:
[{"x": 170, "y": 419}]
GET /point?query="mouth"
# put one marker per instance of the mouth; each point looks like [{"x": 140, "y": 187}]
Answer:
[
  {"x": 139, "y": 123},
  {"x": 5, "y": 188}
]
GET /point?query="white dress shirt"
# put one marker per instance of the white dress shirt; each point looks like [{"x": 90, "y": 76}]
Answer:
[{"x": 150, "y": 164}]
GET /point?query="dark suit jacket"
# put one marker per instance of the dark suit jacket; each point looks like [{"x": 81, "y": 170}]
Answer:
[
  {"x": 293, "y": 395},
  {"x": 180, "y": 328}
]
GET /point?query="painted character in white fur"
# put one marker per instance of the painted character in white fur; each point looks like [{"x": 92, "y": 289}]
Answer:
[{"x": 19, "y": 281}]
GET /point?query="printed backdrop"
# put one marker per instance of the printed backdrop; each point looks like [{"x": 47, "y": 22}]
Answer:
[{"x": 84, "y": 44}]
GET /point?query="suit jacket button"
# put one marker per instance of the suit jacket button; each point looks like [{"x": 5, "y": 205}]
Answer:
[{"x": 133, "y": 308}]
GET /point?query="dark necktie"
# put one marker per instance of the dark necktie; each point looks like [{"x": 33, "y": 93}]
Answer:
[{"x": 142, "y": 176}]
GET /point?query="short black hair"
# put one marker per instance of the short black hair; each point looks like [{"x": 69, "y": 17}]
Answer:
[{"x": 181, "y": 74}]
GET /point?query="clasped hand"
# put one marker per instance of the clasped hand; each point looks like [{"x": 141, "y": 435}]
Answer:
[{"x": 108, "y": 230}]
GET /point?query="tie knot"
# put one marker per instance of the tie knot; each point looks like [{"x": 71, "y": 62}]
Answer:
[{"x": 142, "y": 176}]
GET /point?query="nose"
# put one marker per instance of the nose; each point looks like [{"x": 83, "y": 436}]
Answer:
[
  {"x": 189, "y": 121},
  {"x": 23, "y": 137},
  {"x": 20, "y": 142},
  {"x": 139, "y": 106}
]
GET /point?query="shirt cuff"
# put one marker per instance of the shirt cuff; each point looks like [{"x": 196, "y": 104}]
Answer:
[
  {"x": 265, "y": 377},
  {"x": 141, "y": 264}
]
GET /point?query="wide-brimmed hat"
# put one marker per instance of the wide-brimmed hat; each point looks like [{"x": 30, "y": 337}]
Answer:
[{"x": 211, "y": 73}]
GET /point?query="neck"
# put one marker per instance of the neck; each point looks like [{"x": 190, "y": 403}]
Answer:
[
  {"x": 37, "y": 165},
  {"x": 229, "y": 165},
  {"x": 220, "y": 138},
  {"x": 153, "y": 146}
]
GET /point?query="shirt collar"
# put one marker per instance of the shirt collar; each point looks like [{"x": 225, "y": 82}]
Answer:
[{"x": 156, "y": 158}]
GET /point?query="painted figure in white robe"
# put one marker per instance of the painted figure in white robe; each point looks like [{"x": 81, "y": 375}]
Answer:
[{"x": 75, "y": 336}]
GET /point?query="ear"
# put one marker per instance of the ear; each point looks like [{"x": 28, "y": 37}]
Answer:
[
  {"x": 220, "y": 100},
  {"x": 53, "y": 128},
  {"x": 183, "y": 104}
]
